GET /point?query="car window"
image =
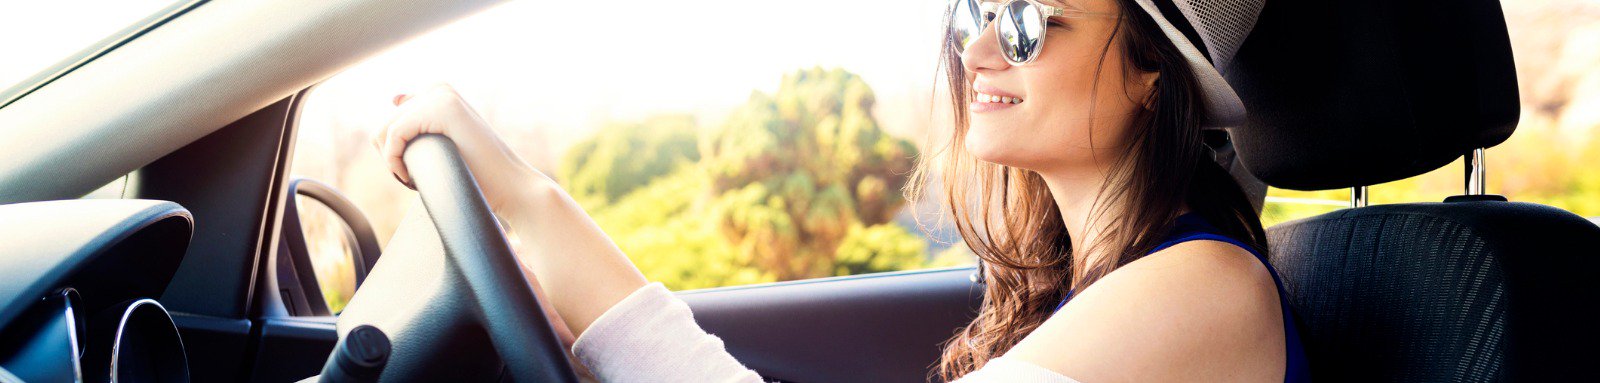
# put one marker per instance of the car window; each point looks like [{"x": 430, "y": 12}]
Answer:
[
  {"x": 44, "y": 37},
  {"x": 694, "y": 132},
  {"x": 718, "y": 145}
]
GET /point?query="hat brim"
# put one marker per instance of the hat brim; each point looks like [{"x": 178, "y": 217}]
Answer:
[{"x": 1223, "y": 107}]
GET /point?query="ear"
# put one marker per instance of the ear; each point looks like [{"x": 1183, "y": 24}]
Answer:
[{"x": 1148, "y": 79}]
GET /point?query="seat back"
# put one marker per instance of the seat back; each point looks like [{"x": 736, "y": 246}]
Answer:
[
  {"x": 1360, "y": 92},
  {"x": 1468, "y": 291}
]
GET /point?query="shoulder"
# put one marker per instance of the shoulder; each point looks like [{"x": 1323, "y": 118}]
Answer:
[{"x": 1200, "y": 310}]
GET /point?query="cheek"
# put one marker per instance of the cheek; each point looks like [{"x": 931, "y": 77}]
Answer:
[
  {"x": 1056, "y": 127},
  {"x": 1069, "y": 89},
  {"x": 1050, "y": 129}
]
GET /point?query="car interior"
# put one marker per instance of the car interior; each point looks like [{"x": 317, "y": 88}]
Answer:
[{"x": 200, "y": 271}]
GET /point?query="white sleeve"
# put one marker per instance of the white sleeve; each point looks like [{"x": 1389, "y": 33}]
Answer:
[
  {"x": 651, "y": 336},
  {"x": 1005, "y": 369}
]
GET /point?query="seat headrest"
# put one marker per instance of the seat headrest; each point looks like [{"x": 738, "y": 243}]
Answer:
[{"x": 1361, "y": 92}]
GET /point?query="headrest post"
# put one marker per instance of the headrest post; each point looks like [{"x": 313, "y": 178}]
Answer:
[
  {"x": 1358, "y": 196},
  {"x": 1476, "y": 172}
]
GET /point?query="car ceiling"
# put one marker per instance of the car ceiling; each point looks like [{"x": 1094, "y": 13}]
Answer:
[{"x": 188, "y": 77}]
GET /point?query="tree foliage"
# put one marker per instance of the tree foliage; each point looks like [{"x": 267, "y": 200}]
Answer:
[
  {"x": 626, "y": 156},
  {"x": 796, "y": 170},
  {"x": 797, "y": 184}
]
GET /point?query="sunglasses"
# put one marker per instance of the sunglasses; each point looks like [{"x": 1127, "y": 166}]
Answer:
[{"x": 1021, "y": 28}]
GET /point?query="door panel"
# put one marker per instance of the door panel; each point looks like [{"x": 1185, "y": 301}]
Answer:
[
  {"x": 874, "y": 328},
  {"x": 293, "y": 348}
]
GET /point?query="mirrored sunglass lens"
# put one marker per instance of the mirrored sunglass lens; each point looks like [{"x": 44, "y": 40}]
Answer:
[
  {"x": 965, "y": 24},
  {"x": 1020, "y": 27}
]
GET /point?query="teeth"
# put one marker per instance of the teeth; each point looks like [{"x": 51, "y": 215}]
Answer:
[{"x": 997, "y": 99}]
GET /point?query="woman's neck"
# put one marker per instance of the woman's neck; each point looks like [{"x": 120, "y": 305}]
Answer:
[{"x": 1075, "y": 193}]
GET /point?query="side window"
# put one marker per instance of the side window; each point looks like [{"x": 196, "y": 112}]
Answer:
[
  {"x": 721, "y": 149},
  {"x": 1550, "y": 159},
  {"x": 714, "y": 147},
  {"x": 1544, "y": 162},
  {"x": 346, "y": 205}
]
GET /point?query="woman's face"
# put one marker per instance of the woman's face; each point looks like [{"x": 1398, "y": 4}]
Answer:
[{"x": 1051, "y": 128}]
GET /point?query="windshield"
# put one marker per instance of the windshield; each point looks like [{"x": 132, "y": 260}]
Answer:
[{"x": 39, "y": 39}]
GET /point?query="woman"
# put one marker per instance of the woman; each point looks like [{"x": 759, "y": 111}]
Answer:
[{"x": 1115, "y": 248}]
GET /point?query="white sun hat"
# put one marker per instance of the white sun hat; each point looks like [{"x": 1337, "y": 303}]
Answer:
[{"x": 1208, "y": 33}]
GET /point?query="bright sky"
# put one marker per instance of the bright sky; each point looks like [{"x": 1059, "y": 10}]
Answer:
[
  {"x": 34, "y": 35},
  {"x": 546, "y": 63},
  {"x": 531, "y": 63}
]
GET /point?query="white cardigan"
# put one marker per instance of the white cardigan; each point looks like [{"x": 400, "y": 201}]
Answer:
[{"x": 651, "y": 336}]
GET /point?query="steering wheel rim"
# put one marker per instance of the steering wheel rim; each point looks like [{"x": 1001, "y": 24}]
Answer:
[{"x": 476, "y": 248}]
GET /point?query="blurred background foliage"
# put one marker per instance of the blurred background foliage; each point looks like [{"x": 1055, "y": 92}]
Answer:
[{"x": 801, "y": 183}]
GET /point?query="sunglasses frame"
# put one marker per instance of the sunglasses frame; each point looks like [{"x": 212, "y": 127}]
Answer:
[{"x": 1002, "y": 9}]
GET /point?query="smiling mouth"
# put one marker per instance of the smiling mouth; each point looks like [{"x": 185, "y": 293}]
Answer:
[{"x": 993, "y": 99}]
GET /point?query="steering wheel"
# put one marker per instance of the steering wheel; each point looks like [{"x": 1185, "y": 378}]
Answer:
[{"x": 439, "y": 310}]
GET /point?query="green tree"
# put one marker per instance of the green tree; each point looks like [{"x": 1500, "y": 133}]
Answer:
[
  {"x": 625, "y": 156},
  {"x": 798, "y": 184},
  {"x": 883, "y": 247},
  {"x": 794, "y": 171}
]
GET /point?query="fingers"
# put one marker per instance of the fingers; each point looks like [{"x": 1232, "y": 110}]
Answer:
[
  {"x": 381, "y": 135},
  {"x": 404, "y": 128},
  {"x": 411, "y": 121},
  {"x": 418, "y": 114}
]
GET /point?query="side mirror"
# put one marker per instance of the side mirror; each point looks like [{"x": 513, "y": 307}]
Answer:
[{"x": 301, "y": 290}]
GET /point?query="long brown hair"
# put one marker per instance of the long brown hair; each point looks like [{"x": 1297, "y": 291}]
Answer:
[{"x": 1009, "y": 219}]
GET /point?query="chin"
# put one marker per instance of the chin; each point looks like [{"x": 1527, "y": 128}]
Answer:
[{"x": 986, "y": 148}]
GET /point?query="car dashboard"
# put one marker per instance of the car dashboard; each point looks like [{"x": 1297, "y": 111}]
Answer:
[{"x": 79, "y": 281}]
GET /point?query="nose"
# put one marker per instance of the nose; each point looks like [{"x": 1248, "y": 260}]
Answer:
[{"x": 984, "y": 54}]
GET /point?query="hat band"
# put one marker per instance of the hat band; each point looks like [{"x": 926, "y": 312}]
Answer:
[{"x": 1172, "y": 14}]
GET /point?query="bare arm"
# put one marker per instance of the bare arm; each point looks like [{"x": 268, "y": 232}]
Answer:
[{"x": 581, "y": 269}]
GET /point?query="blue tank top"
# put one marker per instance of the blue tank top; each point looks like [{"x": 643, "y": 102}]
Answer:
[{"x": 1191, "y": 227}]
